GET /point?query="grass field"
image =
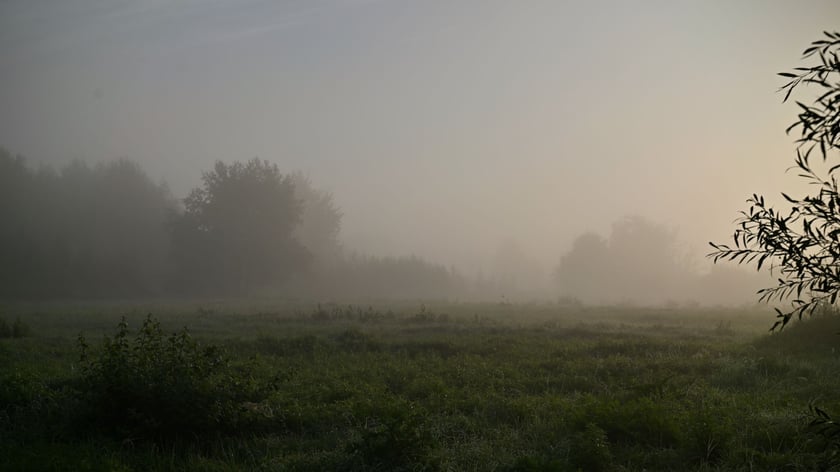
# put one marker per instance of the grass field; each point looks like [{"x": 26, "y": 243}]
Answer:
[{"x": 413, "y": 387}]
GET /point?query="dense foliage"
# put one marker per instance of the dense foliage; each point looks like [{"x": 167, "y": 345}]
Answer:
[
  {"x": 236, "y": 231},
  {"x": 802, "y": 244},
  {"x": 157, "y": 387}
]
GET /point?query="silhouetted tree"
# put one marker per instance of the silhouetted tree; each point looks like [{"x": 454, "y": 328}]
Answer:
[
  {"x": 802, "y": 245},
  {"x": 236, "y": 231}
]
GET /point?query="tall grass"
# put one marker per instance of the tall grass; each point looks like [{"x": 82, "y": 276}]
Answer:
[{"x": 404, "y": 388}]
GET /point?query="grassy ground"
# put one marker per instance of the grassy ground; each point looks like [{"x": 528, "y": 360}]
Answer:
[{"x": 418, "y": 387}]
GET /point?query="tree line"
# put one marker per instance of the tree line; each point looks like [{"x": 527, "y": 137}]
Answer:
[
  {"x": 110, "y": 231},
  {"x": 642, "y": 262}
]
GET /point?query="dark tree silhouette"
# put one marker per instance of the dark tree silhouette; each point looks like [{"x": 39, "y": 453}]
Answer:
[
  {"x": 236, "y": 232},
  {"x": 801, "y": 245}
]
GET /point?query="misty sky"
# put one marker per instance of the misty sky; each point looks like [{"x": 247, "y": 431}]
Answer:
[{"x": 444, "y": 128}]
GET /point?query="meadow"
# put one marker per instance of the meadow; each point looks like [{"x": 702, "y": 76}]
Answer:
[{"x": 410, "y": 386}]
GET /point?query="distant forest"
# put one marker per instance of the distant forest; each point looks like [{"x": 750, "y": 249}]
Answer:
[
  {"x": 644, "y": 261},
  {"x": 110, "y": 231}
]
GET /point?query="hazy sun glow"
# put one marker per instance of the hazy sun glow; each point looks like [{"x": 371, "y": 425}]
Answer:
[{"x": 443, "y": 129}]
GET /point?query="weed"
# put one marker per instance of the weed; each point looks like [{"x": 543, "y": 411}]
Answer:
[{"x": 524, "y": 389}]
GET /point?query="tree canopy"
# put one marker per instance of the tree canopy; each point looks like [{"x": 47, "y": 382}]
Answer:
[{"x": 236, "y": 232}]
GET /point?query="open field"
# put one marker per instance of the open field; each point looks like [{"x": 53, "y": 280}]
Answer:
[{"x": 414, "y": 387}]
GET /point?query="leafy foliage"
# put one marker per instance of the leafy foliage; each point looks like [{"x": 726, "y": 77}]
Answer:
[
  {"x": 158, "y": 387},
  {"x": 398, "y": 442},
  {"x": 236, "y": 233},
  {"x": 802, "y": 244},
  {"x": 591, "y": 449}
]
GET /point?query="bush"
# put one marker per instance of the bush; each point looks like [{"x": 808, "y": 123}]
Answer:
[
  {"x": 33, "y": 408},
  {"x": 591, "y": 449},
  {"x": 21, "y": 394},
  {"x": 400, "y": 441},
  {"x": 162, "y": 388},
  {"x": 642, "y": 421}
]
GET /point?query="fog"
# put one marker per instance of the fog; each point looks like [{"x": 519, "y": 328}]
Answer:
[{"x": 481, "y": 138}]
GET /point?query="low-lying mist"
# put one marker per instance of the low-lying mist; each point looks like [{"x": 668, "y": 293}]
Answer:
[
  {"x": 110, "y": 231},
  {"x": 473, "y": 151}
]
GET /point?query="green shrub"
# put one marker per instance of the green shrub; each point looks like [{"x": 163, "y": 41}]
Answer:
[
  {"x": 708, "y": 435},
  {"x": 34, "y": 408},
  {"x": 19, "y": 392},
  {"x": 591, "y": 449},
  {"x": 641, "y": 421},
  {"x": 398, "y": 441},
  {"x": 157, "y": 387}
]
